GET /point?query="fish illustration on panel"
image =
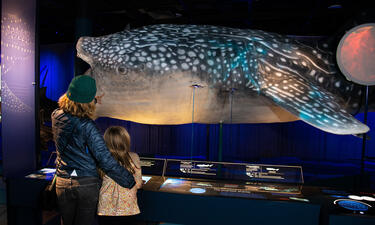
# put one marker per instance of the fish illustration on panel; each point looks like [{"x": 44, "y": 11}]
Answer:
[{"x": 158, "y": 74}]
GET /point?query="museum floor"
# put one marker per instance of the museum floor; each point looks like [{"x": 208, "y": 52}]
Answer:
[{"x": 3, "y": 209}]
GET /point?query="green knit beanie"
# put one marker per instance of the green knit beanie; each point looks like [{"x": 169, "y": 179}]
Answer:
[{"x": 82, "y": 89}]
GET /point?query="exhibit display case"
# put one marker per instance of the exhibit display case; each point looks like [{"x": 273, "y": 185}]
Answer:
[
  {"x": 213, "y": 178},
  {"x": 249, "y": 191},
  {"x": 222, "y": 170},
  {"x": 221, "y": 178},
  {"x": 202, "y": 192},
  {"x": 194, "y": 191}
]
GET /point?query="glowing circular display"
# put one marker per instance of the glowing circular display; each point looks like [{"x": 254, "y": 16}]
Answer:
[
  {"x": 197, "y": 190},
  {"x": 352, "y": 205},
  {"x": 355, "y": 197},
  {"x": 356, "y": 54},
  {"x": 368, "y": 198}
]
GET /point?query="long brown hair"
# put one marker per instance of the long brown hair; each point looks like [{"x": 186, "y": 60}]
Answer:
[
  {"x": 117, "y": 139},
  {"x": 76, "y": 108}
]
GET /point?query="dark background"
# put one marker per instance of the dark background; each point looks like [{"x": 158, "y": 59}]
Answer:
[{"x": 293, "y": 17}]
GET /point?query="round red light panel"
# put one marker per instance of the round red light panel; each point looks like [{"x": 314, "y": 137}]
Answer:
[{"x": 356, "y": 54}]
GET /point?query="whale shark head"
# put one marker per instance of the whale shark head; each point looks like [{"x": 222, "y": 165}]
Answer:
[{"x": 108, "y": 53}]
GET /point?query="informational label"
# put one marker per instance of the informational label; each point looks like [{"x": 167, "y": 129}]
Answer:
[
  {"x": 147, "y": 163},
  {"x": 274, "y": 173},
  {"x": 267, "y": 172},
  {"x": 152, "y": 166},
  {"x": 253, "y": 171},
  {"x": 198, "y": 168},
  {"x": 223, "y": 171}
]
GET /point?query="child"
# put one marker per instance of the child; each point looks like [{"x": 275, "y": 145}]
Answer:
[{"x": 117, "y": 205}]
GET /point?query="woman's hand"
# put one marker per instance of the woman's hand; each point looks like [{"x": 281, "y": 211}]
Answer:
[{"x": 98, "y": 99}]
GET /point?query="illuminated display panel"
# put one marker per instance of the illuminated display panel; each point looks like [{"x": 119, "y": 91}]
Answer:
[
  {"x": 234, "y": 171},
  {"x": 248, "y": 190},
  {"x": 152, "y": 166},
  {"x": 356, "y": 54}
]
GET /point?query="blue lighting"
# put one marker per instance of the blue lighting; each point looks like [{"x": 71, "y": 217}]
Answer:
[
  {"x": 336, "y": 6},
  {"x": 172, "y": 182},
  {"x": 197, "y": 190},
  {"x": 334, "y": 192},
  {"x": 57, "y": 68},
  {"x": 338, "y": 196},
  {"x": 353, "y": 205}
]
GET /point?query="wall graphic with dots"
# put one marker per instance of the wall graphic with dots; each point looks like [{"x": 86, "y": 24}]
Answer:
[{"x": 18, "y": 22}]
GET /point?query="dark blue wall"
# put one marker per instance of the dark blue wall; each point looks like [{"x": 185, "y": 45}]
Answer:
[
  {"x": 245, "y": 142},
  {"x": 57, "y": 68}
]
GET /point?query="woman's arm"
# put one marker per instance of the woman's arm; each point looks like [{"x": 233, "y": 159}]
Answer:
[{"x": 104, "y": 159}]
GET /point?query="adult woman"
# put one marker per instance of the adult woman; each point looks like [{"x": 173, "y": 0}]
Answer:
[{"x": 80, "y": 150}]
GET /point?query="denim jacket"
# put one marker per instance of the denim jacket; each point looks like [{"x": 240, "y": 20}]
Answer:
[{"x": 80, "y": 148}]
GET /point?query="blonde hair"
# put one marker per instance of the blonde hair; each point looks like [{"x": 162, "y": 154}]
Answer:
[
  {"x": 117, "y": 139},
  {"x": 76, "y": 108}
]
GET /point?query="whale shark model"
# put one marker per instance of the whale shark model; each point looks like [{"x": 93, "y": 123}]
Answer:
[{"x": 176, "y": 74}]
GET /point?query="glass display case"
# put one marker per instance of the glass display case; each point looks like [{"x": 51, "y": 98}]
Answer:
[
  {"x": 153, "y": 166},
  {"x": 256, "y": 181},
  {"x": 222, "y": 170},
  {"x": 221, "y": 178},
  {"x": 234, "y": 171}
]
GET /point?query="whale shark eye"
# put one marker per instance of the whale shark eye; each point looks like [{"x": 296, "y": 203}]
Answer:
[{"x": 122, "y": 70}]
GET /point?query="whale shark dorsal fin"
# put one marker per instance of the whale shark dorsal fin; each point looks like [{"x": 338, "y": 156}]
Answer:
[{"x": 308, "y": 101}]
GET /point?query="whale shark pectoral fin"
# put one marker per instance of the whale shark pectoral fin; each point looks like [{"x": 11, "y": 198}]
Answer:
[{"x": 311, "y": 103}]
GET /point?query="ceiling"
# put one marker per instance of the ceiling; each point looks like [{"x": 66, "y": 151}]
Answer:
[{"x": 57, "y": 18}]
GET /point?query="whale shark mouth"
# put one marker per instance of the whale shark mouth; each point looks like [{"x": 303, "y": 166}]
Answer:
[
  {"x": 153, "y": 68},
  {"x": 81, "y": 53}
]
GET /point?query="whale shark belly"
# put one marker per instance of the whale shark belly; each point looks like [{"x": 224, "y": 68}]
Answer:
[{"x": 173, "y": 99}]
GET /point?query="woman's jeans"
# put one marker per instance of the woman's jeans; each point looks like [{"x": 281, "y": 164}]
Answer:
[{"x": 77, "y": 199}]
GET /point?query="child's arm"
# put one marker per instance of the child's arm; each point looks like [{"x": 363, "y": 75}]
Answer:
[{"x": 138, "y": 170}]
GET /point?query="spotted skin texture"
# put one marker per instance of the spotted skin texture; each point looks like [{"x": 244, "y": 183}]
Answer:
[{"x": 157, "y": 74}]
